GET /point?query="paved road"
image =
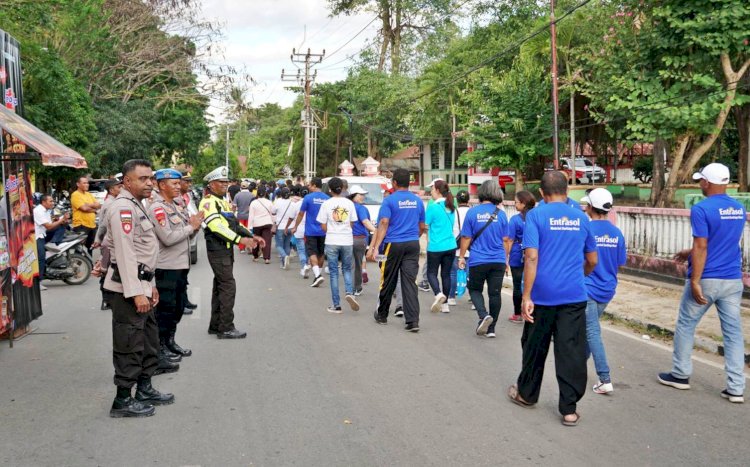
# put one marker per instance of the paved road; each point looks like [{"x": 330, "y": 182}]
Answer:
[{"x": 314, "y": 389}]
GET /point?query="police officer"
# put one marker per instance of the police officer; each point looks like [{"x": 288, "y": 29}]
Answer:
[
  {"x": 222, "y": 232},
  {"x": 186, "y": 202},
  {"x": 173, "y": 229},
  {"x": 113, "y": 186},
  {"x": 130, "y": 278}
]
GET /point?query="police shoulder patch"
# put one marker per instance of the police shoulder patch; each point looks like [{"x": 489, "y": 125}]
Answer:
[
  {"x": 126, "y": 220},
  {"x": 161, "y": 216}
]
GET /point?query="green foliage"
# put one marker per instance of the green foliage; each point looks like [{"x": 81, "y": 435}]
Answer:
[{"x": 643, "y": 169}]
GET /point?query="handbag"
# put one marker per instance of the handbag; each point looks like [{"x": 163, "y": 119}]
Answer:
[
  {"x": 490, "y": 221},
  {"x": 275, "y": 225}
]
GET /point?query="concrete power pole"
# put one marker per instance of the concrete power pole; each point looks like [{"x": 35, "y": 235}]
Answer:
[{"x": 309, "y": 119}]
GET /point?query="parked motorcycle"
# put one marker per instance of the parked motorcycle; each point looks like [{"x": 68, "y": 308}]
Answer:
[{"x": 68, "y": 260}]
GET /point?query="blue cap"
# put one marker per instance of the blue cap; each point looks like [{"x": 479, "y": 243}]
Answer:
[{"x": 167, "y": 174}]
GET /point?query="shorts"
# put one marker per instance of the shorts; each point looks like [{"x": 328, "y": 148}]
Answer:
[{"x": 315, "y": 246}]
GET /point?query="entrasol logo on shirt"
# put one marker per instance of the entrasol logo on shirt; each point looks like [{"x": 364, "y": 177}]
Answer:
[
  {"x": 730, "y": 213},
  {"x": 563, "y": 223}
]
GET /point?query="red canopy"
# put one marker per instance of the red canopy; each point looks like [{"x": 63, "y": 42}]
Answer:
[{"x": 53, "y": 152}]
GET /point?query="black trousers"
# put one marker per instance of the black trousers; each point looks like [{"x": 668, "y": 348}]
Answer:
[
  {"x": 172, "y": 284},
  {"x": 263, "y": 231},
  {"x": 401, "y": 259},
  {"x": 568, "y": 324},
  {"x": 492, "y": 274},
  {"x": 442, "y": 260},
  {"x": 517, "y": 273},
  {"x": 135, "y": 342},
  {"x": 224, "y": 290},
  {"x": 90, "y": 236}
]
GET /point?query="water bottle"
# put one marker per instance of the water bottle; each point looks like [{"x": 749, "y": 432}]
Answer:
[
  {"x": 461, "y": 282},
  {"x": 380, "y": 257}
]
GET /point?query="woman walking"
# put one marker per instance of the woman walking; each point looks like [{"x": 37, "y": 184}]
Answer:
[
  {"x": 441, "y": 243},
  {"x": 514, "y": 249},
  {"x": 462, "y": 198},
  {"x": 485, "y": 230},
  {"x": 260, "y": 219},
  {"x": 283, "y": 206},
  {"x": 360, "y": 230}
]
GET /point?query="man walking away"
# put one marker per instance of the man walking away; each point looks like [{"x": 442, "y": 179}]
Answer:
[
  {"x": 315, "y": 237},
  {"x": 401, "y": 223},
  {"x": 714, "y": 277},
  {"x": 242, "y": 201},
  {"x": 559, "y": 251}
]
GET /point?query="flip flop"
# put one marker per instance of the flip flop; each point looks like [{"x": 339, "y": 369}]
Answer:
[
  {"x": 516, "y": 398},
  {"x": 571, "y": 422}
]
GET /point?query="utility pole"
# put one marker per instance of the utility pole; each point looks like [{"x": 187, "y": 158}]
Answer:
[
  {"x": 453, "y": 147},
  {"x": 351, "y": 134},
  {"x": 555, "y": 104},
  {"x": 309, "y": 119}
]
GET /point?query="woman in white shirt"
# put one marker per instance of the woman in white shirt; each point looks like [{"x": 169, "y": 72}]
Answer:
[
  {"x": 283, "y": 206},
  {"x": 298, "y": 192},
  {"x": 261, "y": 220}
]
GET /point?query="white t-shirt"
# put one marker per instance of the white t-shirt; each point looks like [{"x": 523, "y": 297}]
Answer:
[
  {"x": 460, "y": 216},
  {"x": 283, "y": 211},
  {"x": 338, "y": 213},
  {"x": 293, "y": 212},
  {"x": 41, "y": 216}
]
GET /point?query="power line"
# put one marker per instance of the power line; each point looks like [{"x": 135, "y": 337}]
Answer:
[{"x": 354, "y": 37}]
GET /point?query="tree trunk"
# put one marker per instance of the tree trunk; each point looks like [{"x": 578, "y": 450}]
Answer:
[
  {"x": 573, "y": 132},
  {"x": 518, "y": 182},
  {"x": 386, "y": 32},
  {"x": 338, "y": 145},
  {"x": 742, "y": 118},
  {"x": 396, "y": 42},
  {"x": 657, "y": 179}
]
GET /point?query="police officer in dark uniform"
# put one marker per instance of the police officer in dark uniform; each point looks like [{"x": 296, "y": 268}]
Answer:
[
  {"x": 130, "y": 278},
  {"x": 222, "y": 232},
  {"x": 173, "y": 229}
]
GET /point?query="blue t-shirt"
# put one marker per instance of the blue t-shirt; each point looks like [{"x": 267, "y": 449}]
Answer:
[
  {"x": 488, "y": 248},
  {"x": 610, "y": 246},
  {"x": 562, "y": 235},
  {"x": 515, "y": 232},
  {"x": 359, "y": 229},
  {"x": 440, "y": 222},
  {"x": 311, "y": 205},
  {"x": 720, "y": 219},
  {"x": 405, "y": 211},
  {"x": 570, "y": 202}
]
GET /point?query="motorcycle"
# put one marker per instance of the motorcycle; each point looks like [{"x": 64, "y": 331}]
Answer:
[{"x": 68, "y": 260}]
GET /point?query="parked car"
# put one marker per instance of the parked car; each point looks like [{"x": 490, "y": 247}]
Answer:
[{"x": 586, "y": 171}]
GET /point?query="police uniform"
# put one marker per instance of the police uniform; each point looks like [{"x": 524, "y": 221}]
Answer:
[
  {"x": 135, "y": 336},
  {"x": 222, "y": 231},
  {"x": 173, "y": 229},
  {"x": 105, "y": 247}
]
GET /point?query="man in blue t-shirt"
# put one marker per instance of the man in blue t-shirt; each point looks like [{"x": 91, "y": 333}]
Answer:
[
  {"x": 315, "y": 237},
  {"x": 714, "y": 277},
  {"x": 602, "y": 282},
  {"x": 560, "y": 251},
  {"x": 400, "y": 224}
]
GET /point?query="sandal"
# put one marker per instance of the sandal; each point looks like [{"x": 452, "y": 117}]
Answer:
[
  {"x": 516, "y": 398},
  {"x": 571, "y": 422}
]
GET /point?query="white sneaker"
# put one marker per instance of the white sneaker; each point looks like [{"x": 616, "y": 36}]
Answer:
[
  {"x": 490, "y": 335},
  {"x": 445, "y": 308},
  {"x": 334, "y": 309},
  {"x": 452, "y": 301},
  {"x": 473, "y": 307},
  {"x": 306, "y": 271},
  {"x": 737, "y": 399},
  {"x": 285, "y": 263},
  {"x": 603, "y": 388},
  {"x": 352, "y": 302},
  {"x": 303, "y": 273},
  {"x": 399, "y": 313},
  {"x": 483, "y": 325},
  {"x": 42, "y": 288},
  {"x": 328, "y": 271},
  {"x": 318, "y": 280},
  {"x": 437, "y": 303}
]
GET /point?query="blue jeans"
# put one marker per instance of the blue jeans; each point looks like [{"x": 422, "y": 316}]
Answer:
[
  {"x": 454, "y": 278},
  {"x": 726, "y": 294},
  {"x": 594, "y": 311},
  {"x": 301, "y": 251},
  {"x": 345, "y": 254},
  {"x": 283, "y": 244}
]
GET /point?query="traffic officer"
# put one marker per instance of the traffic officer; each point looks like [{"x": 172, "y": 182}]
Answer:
[
  {"x": 173, "y": 229},
  {"x": 130, "y": 278},
  {"x": 222, "y": 232}
]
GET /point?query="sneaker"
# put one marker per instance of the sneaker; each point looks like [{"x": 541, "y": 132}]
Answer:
[
  {"x": 334, "y": 309},
  {"x": 352, "y": 302},
  {"x": 452, "y": 301},
  {"x": 603, "y": 388},
  {"x": 437, "y": 303},
  {"x": 306, "y": 271},
  {"x": 515, "y": 319},
  {"x": 285, "y": 263},
  {"x": 42, "y": 288},
  {"x": 732, "y": 397},
  {"x": 399, "y": 312},
  {"x": 328, "y": 271},
  {"x": 318, "y": 280},
  {"x": 490, "y": 335},
  {"x": 483, "y": 325},
  {"x": 445, "y": 308},
  {"x": 412, "y": 327},
  {"x": 678, "y": 383},
  {"x": 424, "y": 287},
  {"x": 303, "y": 273},
  {"x": 365, "y": 279},
  {"x": 473, "y": 307},
  {"x": 358, "y": 292},
  {"x": 378, "y": 319}
]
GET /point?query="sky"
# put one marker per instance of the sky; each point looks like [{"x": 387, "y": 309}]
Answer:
[{"x": 260, "y": 36}]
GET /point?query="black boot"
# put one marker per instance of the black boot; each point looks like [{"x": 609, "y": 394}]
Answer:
[
  {"x": 125, "y": 406},
  {"x": 190, "y": 306},
  {"x": 105, "y": 305},
  {"x": 175, "y": 347},
  {"x": 147, "y": 394},
  {"x": 166, "y": 353},
  {"x": 165, "y": 366}
]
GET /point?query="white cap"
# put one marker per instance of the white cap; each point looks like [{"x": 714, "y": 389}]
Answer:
[
  {"x": 220, "y": 173},
  {"x": 433, "y": 182},
  {"x": 715, "y": 173},
  {"x": 599, "y": 198},
  {"x": 357, "y": 190}
]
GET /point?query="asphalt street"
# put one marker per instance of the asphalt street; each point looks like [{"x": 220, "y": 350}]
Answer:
[{"x": 311, "y": 388}]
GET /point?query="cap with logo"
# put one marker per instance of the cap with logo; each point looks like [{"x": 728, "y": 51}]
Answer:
[
  {"x": 186, "y": 175},
  {"x": 599, "y": 198},
  {"x": 218, "y": 174},
  {"x": 167, "y": 174},
  {"x": 715, "y": 173},
  {"x": 357, "y": 190}
]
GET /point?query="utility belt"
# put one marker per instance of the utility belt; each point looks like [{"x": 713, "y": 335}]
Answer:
[{"x": 143, "y": 274}]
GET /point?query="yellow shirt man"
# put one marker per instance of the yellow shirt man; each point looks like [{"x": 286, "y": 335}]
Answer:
[{"x": 84, "y": 206}]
